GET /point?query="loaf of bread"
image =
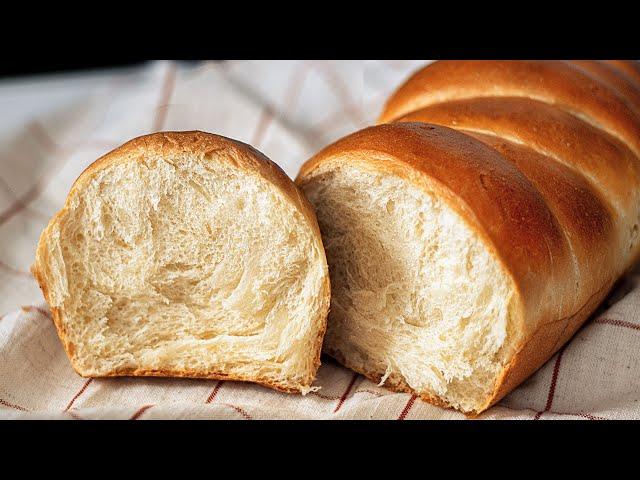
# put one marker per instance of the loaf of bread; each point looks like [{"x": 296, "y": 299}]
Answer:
[
  {"x": 470, "y": 238},
  {"x": 187, "y": 254}
]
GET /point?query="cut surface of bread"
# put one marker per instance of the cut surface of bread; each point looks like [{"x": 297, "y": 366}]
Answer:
[
  {"x": 187, "y": 254},
  {"x": 415, "y": 292}
]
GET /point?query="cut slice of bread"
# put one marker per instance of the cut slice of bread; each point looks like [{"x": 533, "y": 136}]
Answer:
[
  {"x": 416, "y": 293},
  {"x": 187, "y": 254}
]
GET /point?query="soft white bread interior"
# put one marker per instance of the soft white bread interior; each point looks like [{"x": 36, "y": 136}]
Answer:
[
  {"x": 416, "y": 294},
  {"x": 187, "y": 254}
]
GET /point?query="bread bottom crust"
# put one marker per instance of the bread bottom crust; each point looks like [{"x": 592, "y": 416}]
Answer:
[{"x": 195, "y": 375}]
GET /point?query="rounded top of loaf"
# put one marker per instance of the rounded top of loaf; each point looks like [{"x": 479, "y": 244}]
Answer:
[
  {"x": 203, "y": 145},
  {"x": 555, "y": 82},
  {"x": 489, "y": 193},
  {"x": 610, "y": 165}
]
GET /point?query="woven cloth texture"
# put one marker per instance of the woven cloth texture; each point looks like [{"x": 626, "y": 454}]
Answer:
[{"x": 52, "y": 127}]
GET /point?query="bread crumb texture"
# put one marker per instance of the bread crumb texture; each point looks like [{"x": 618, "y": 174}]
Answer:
[
  {"x": 186, "y": 263},
  {"x": 416, "y": 296}
]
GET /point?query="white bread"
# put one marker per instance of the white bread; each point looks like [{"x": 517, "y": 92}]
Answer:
[
  {"x": 469, "y": 240},
  {"x": 187, "y": 254}
]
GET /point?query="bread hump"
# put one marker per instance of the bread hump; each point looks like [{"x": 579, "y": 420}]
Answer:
[
  {"x": 470, "y": 238},
  {"x": 187, "y": 254}
]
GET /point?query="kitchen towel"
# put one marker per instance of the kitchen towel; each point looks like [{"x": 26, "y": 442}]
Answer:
[{"x": 53, "y": 127}]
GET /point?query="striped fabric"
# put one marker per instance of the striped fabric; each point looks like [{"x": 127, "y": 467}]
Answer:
[{"x": 54, "y": 127}]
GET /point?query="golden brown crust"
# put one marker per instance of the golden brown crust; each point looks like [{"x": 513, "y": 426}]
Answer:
[
  {"x": 577, "y": 155},
  {"x": 558, "y": 83},
  {"x": 614, "y": 78},
  {"x": 630, "y": 68},
  {"x": 608, "y": 166},
  {"x": 496, "y": 200},
  {"x": 614, "y": 169},
  {"x": 203, "y": 144},
  {"x": 592, "y": 237}
]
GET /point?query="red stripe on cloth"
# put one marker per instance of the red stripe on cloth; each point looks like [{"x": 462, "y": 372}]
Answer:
[
  {"x": 617, "y": 323},
  {"x": 554, "y": 382},
  {"x": 587, "y": 415},
  {"x": 238, "y": 409},
  {"x": 407, "y": 407},
  {"x": 74, "y": 415},
  {"x": 215, "y": 391},
  {"x": 77, "y": 395},
  {"x": 13, "y": 405},
  {"x": 539, "y": 414},
  {"x": 140, "y": 412},
  {"x": 168, "y": 85},
  {"x": 346, "y": 392},
  {"x": 569, "y": 414},
  {"x": 32, "y": 308},
  {"x": 266, "y": 117}
]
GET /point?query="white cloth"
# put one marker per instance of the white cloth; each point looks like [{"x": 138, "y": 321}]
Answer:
[{"x": 52, "y": 128}]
